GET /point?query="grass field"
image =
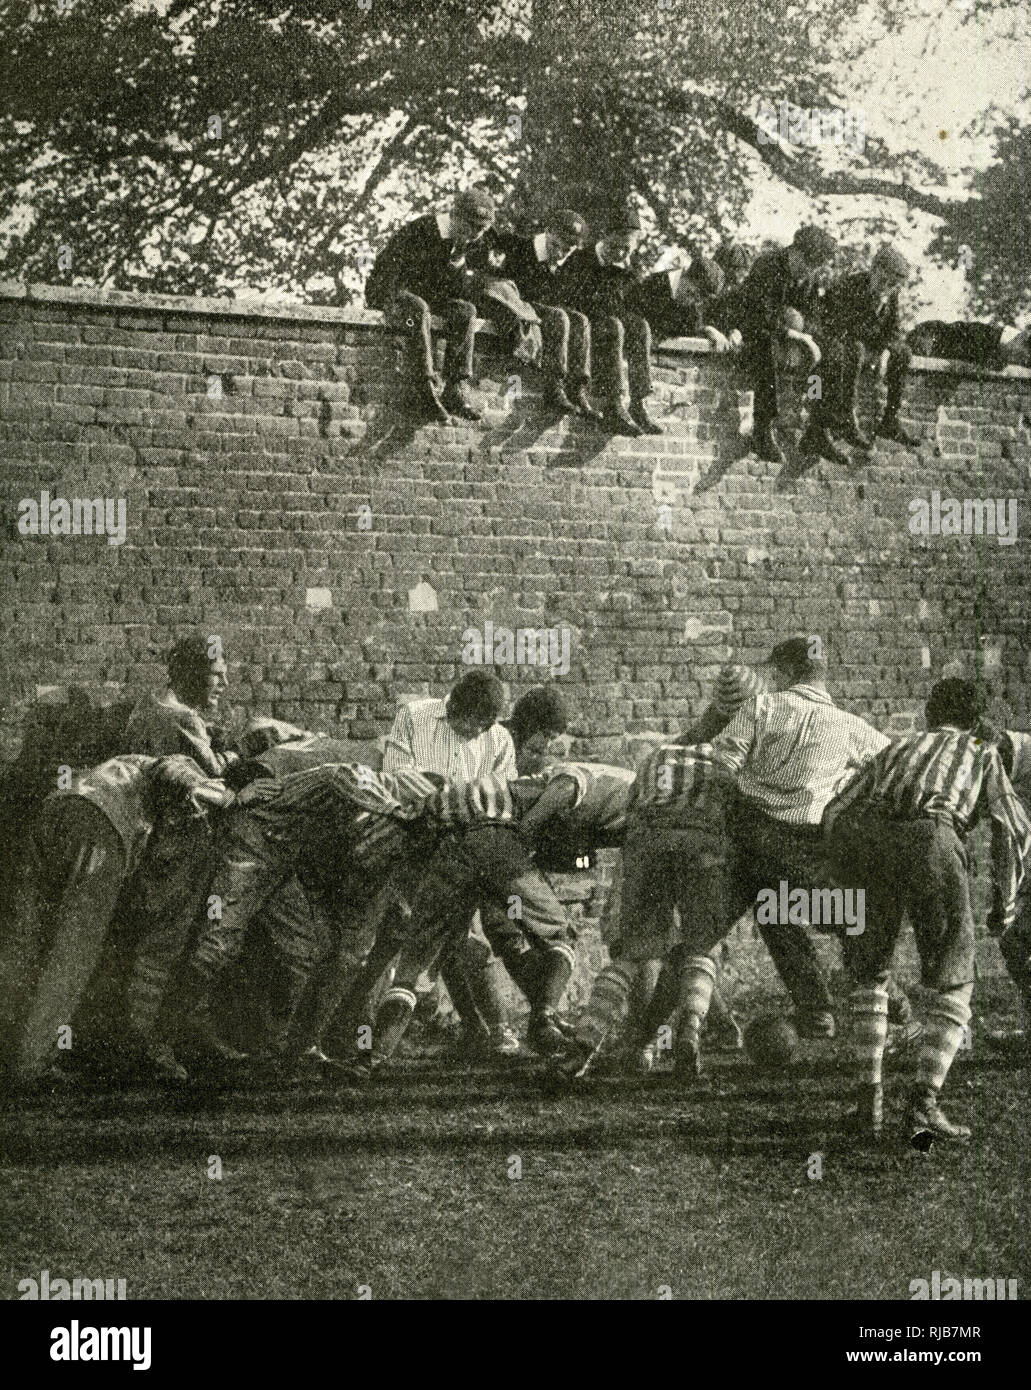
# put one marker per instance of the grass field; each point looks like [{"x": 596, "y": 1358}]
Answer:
[{"x": 405, "y": 1188}]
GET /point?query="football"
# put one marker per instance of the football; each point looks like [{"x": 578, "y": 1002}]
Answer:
[{"x": 771, "y": 1040}]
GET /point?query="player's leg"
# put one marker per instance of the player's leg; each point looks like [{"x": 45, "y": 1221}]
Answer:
[
  {"x": 705, "y": 898},
  {"x": 865, "y": 851},
  {"x": 250, "y": 871},
  {"x": 82, "y": 866},
  {"x": 943, "y": 922},
  {"x": 167, "y": 898}
]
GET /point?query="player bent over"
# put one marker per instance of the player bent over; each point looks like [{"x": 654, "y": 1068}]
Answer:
[
  {"x": 676, "y": 854},
  {"x": 340, "y": 827},
  {"x": 491, "y": 866},
  {"x": 898, "y": 831}
]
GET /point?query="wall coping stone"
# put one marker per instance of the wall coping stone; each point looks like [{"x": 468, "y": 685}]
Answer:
[{"x": 258, "y": 308}]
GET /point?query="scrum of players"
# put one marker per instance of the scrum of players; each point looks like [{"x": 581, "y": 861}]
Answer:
[{"x": 279, "y": 909}]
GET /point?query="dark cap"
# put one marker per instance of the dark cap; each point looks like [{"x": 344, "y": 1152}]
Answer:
[
  {"x": 706, "y": 275},
  {"x": 476, "y": 206},
  {"x": 569, "y": 225},
  {"x": 796, "y": 658},
  {"x": 624, "y": 220},
  {"x": 892, "y": 261},
  {"x": 816, "y": 245}
]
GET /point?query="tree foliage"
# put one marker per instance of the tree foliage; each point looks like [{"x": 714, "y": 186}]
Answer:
[{"x": 263, "y": 144}]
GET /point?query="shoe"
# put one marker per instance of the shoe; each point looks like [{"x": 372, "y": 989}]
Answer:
[
  {"x": 162, "y": 1063},
  {"x": 687, "y": 1056},
  {"x": 902, "y": 1036},
  {"x": 891, "y": 428},
  {"x": 582, "y": 401},
  {"x": 851, "y": 432},
  {"x": 817, "y": 1025},
  {"x": 866, "y": 1121},
  {"x": 204, "y": 1036},
  {"x": 575, "y": 1064},
  {"x": 926, "y": 1121},
  {"x": 456, "y": 401},
  {"x": 617, "y": 421},
  {"x": 642, "y": 1060},
  {"x": 555, "y": 399},
  {"x": 817, "y": 443},
  {"x": 427, "y": 405},
  {"x": 545, "y": 1036},
  {"x": 641, "y": 418}
]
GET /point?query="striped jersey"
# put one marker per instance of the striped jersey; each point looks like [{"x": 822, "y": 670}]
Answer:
[
  {"x": 601, "y": 796},
  {"x": 791, "y": 751},
  {"x": 949, "y": 774},
  {"x": 604, "y": 792},
  {"x": 1020, "y": 774},
  {"x": 422, "y": 738},
  {"x": 681, "y": 782},
  {"x": 334, "y": 801}
]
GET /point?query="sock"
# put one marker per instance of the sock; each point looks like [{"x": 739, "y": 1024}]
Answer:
[
  {"x": 696, "y": 985},
  {"x": 553, "y": 975},
  {"x": 948, "y": 1014},
  {"x": 392, "y": 1019},
  {"x": 608, "y": 1005},
  {"x": 869, "y": 1032}
]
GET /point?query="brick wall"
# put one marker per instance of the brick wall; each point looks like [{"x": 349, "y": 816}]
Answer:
[{"x": 245, "y": 441}]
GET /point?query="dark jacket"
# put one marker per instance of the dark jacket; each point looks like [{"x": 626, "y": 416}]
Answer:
[
  {"x": 599, "y": 290},
  {"x": 852, "y": 312},
  {"x": 667, "y": 317},
  {"x": 771, "y": 287},
  {"x": 524, "y": 263},
  {"x": 422, "y": 258}
]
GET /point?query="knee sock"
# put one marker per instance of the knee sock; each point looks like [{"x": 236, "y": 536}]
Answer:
[
  {"x": 392, "y": 1019},
  {"x": 696, "y": 985},
  {"x": 869, "y": 1032},
  {"x": 609, "y": 1004},
  {"x": 948, "y": 1014}
]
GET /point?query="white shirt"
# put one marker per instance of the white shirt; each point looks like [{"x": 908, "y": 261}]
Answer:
[
  {"x": 793, "y": 750},
  {"x": 422, "y": 738}
]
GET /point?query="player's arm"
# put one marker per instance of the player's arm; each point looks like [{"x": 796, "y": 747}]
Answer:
[
  {"x": 399, "y": 751},
  {"x": 561, "y": 794},
  {"x": 731, "y": 748},
  {"x": 196, "y": 744},
  {"x": 1011, "y": 842}
]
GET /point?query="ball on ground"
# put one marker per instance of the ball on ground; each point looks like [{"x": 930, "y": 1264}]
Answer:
[{"x": 771, "y": 1040}]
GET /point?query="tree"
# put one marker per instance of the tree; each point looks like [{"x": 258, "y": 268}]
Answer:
[{"x": 208, "y": 148}]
